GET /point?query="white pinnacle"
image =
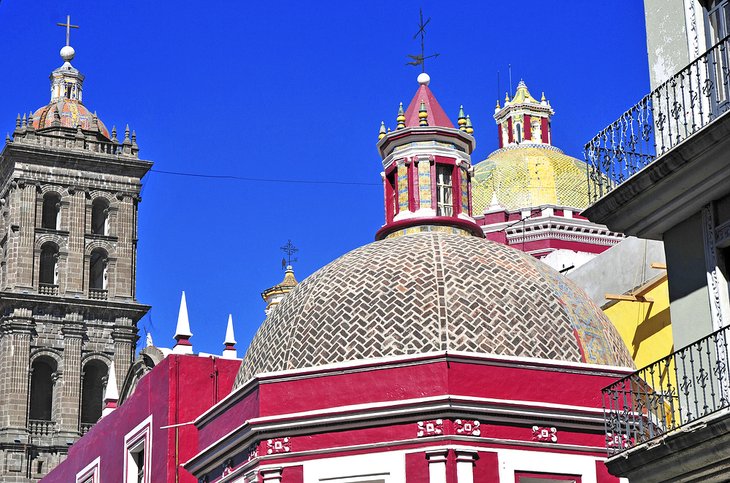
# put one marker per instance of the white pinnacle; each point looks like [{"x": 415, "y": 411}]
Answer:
[
  {"x": 149, "y": 342},
  {"x": 183, "y": 323},
  {"x": 230, "y": 339},
  {"x": 112, "y": 392}
]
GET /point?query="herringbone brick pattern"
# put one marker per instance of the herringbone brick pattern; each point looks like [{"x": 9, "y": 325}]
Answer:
[{"x": 432, "y": 291}]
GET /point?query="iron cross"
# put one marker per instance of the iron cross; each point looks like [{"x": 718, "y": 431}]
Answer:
[
  {"x": 68, "y": 28},
  {"x": 421, "y": 59},
  {"x": 290, "y": 250}
]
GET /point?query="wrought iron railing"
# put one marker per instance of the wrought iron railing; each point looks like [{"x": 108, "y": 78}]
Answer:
[
  {"x": 47, "y": 289},
  {"x": 678, "y": 108},
  {"x": 41, "y": 427},
  {"x": 687, "y": 385}
]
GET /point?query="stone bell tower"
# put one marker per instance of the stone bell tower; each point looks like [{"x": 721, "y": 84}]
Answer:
[{"x": 69, "y": 194}]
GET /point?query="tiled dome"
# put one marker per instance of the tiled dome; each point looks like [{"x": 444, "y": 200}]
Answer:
[
  {"x": 71, "y": 113},
  {"x": 432, "y": 292},
  {"x": 523, "y": 176}
]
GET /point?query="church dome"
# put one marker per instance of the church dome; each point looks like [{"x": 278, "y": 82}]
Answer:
[
  {"x": 523, "y": 176},
  {"x": 432, "y": 291},
  {"x": 71, "y": 112}
]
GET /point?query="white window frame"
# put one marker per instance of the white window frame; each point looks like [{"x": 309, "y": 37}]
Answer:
[
  {"x": 140, "y": 436},
  {"x": 92, "y": 470}
]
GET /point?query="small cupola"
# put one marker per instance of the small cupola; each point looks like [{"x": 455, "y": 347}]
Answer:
[
  {"x": 523, "y": 119},
  {"x": 427, "y": 169}
]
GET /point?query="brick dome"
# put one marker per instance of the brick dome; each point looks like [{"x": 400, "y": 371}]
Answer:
[{"x": 432, "y": 292}]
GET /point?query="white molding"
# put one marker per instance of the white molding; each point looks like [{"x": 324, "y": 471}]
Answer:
[
  {"x": 389, "y": 362},
  {"x": 512, "y": 461},
  {"x": 92, "y": 470},
  {"x": 142, "y": 433}
]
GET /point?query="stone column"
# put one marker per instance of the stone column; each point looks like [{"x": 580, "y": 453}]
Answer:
[
  {"x": 14, "y": 377},
  {"x": 67, "y": 413},
  {"x": 465, "y": 465},
  {"x": 125, "y": 338},
  {"x": 22, "y": 221},
  {"x": 125, "y": 231},
  {"x": 437, "y": 465},
  {"x": 75, "y": 270}
]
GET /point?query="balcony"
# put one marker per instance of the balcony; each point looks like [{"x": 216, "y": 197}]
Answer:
[
  {"x": 47, "y": 289},
  {"x": 41, "y": 427},
  {"x": 98, "y": 294},
  {"x": 85, "y": 427},
  {"x": 680, "y": 402},
  {"x": 640, "y": 165}
]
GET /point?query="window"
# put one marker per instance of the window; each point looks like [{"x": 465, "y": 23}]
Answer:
[
  {"x": 519, "y": 133},
  {"x": 90, "y": 473},
  {"x": 98, "y": 269},
  {"x": 444, "y": 191},
  {"x": 100, "y": 217},
  {"x": 41, "y": 389},
  {"x": 51, "y": 210},
  {"x": 523, "y": 477},
  {"x": 92, "y": 392},
  {"x": 391, "y": 208},
  {"x": 138, "y": 446},
  {"x": 48, "y": 276}
]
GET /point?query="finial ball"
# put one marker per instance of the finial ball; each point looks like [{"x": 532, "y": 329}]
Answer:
[
  {"x": 67, "y": 53},
  {"x": 424, "y": 79}
]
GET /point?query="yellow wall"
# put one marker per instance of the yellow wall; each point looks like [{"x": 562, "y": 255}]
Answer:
[{"x": 645, "y": 327}]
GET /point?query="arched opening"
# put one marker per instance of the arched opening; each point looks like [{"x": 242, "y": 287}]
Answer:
[
  {"x": 48, "y": 276},
  {"x": 40, "y": 411},
  {"x": 92, "y": 393},
  {"x": 51, "y": 210},
  {"x": 100, "y": 217},
  {"x": 98, "y": 273},
  {"x": 519, "y": 133}
]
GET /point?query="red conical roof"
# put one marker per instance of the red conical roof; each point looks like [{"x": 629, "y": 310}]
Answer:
[{"x": 436, "y": 115}]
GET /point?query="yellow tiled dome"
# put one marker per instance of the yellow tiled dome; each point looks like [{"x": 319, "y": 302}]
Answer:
[{"x": 525, "y": 176}]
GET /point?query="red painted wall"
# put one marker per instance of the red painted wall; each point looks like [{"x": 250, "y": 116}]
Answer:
[
  {"x": 416, "y": 467},
  {"x": 177, "y": 390},
  {"x": 486, "y": 468}
]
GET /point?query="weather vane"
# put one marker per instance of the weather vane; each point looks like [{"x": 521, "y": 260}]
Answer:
[
  {"x": 68, "y": 28},
  {"x": 290, "y": 250},
  {"x": 421, "y": 59}
]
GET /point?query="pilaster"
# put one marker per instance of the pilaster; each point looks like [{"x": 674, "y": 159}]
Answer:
[
  {"x": 16, "y": 332},
  {"x": 70, "y": 386}
]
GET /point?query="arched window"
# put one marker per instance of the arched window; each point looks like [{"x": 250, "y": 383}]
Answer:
[
  {"x": 41, "y": 389},
  {"x": 48, "y": 276},
  {"x": 51, "y": 210},
  {"x": 100, "y": 217},
  {"x": 519, "y": 133},
  {"x": 97, "y": 269},
  {"x": 92, "y": 392}
]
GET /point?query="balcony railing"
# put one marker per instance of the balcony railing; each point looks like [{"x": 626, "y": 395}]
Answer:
[
  {"x": 47, "y": 289},
  {"x": 678, "y": 108},
  {"x": 98, "y": 294},
  {"x": 685, "y": 386},
  {"x": 41, "y": 427},
  {"x": 85, "y": 427}
]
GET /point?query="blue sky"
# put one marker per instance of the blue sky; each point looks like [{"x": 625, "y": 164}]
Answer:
[{"x": 296, "y": 91}]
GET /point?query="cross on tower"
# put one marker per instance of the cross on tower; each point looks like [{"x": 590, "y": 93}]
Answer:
[
  {"x": 290, "y": 250},
  {"x": 68, "y": 28},
  {"x": 421, "y": 59}
]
